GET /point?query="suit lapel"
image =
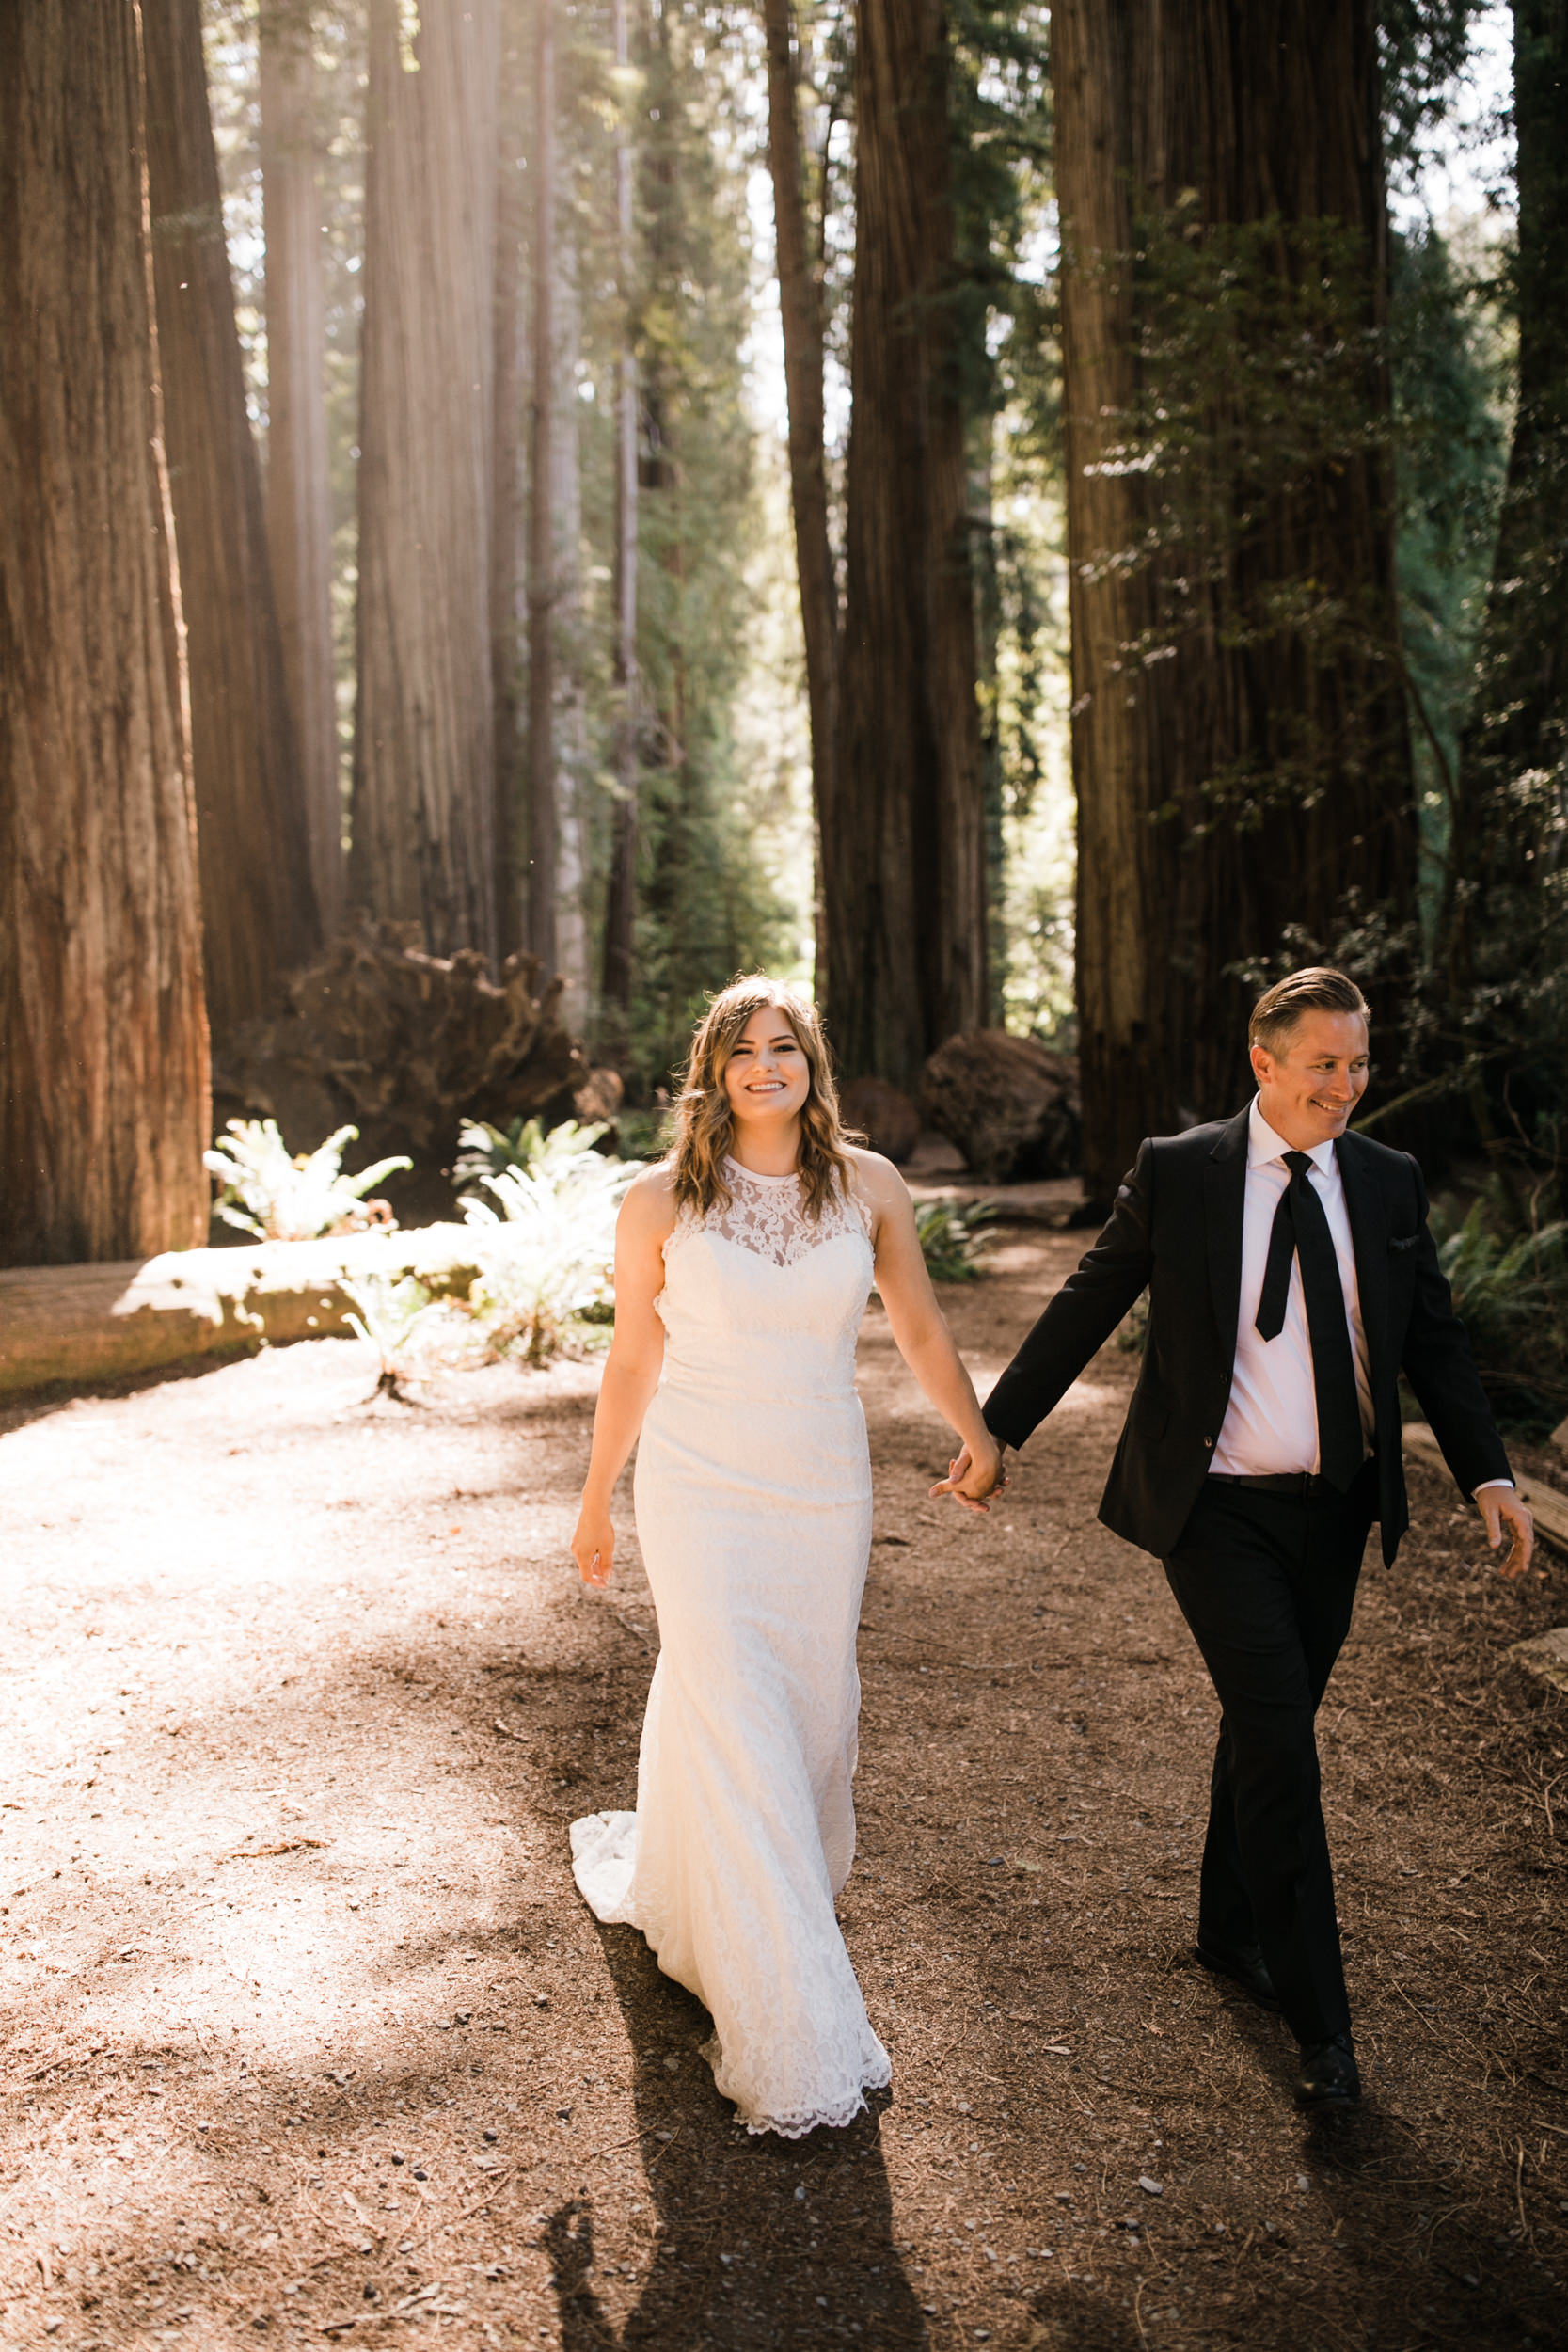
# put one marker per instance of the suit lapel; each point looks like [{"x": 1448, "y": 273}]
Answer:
[
  {"x": 1224, "y": 1201},
  {"x": 1369, "y": 1233}
]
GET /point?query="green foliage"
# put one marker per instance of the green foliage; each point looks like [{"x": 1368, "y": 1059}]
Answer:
[
  {"x": 546, "y": 1252},
  {"x": 953, "y": 1237},
  {"x": 1509, "y": 1284},
  {"x": 265, "y": 1191}
]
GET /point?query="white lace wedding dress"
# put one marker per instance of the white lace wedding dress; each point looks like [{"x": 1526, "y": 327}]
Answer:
[{"x": 754, "y": 1511}]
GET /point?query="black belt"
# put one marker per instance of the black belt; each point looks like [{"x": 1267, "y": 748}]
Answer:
[{"x": 1305, "y": 1486}]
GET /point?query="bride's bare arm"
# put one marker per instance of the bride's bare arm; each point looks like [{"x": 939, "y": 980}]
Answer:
[
  {"x": 920, "y": 1327},
  {"x": 633, "y": 1367}
]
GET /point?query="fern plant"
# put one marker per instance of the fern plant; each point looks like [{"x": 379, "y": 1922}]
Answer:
[
  {"x": 1510, "y": 1292},
  {"x": 952, "y": 1237},
  {"x": 278, "y": 1196},
  {"x": 394, "y": 1313},
  {"x": 546, "y": 1247},
  {"x": 525, "y": 1144}
]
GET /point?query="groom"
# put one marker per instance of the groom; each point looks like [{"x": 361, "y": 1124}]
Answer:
[{"x": 1291, "y": 1278}]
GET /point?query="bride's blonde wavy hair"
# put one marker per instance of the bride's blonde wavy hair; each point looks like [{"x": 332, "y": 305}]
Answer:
[{"x": 705, "y": 1123}]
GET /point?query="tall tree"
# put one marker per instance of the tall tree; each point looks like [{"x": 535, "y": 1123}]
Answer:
[
  {"x": 800, "y": 307},
  {"x": 1239, "y": 738},
  {"x": 423, "y": 828},
  {"x": 1513, "y": 757},
  {"x": 103, "y": 1087},
  {"x": 543, "y": 814},
  {"x": 258, "y": 893},
  {"x": 506, "y": 477},
  {"x": 298, "y": 482},
  {"x": 902, "y": 836},
  {"x": 621, "y": 896}
]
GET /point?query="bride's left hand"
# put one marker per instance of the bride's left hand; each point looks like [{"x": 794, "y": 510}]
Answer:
[{"x": 969, "y": 1480}]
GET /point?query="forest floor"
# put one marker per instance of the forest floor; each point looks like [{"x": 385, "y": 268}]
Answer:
[{"x": 310, "y": 2037}]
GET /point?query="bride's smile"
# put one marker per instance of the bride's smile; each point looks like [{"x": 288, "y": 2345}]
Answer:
[{"x": 767, "y": 1081}]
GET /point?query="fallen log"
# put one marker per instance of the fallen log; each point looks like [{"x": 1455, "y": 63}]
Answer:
[
  {"x": 78, "y": 1324},
  {"x": 1548, "y": 1508}
]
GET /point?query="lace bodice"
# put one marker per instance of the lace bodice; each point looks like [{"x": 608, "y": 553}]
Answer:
[{"x": 767, "y": 1216}]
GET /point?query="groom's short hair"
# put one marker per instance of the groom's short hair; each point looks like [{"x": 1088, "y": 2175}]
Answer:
[{"x": 1319, "y": 988}]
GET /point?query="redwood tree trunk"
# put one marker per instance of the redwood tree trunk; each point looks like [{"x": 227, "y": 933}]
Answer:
[
  {"x": 1504, "y": 824},
  {"x": 258, "y": 893},
  {"x": 1239, "y": 741},
  {"x": 423, "y": 807},
  {"x": 543, "y": 823},
  {"x": 801, "y": 310},
  {"x": 298, "y": 484},
  {"x": 902, "y": 837},
  {"x": 506, "y": 575},
  {"x": 104, "y": 1090}
]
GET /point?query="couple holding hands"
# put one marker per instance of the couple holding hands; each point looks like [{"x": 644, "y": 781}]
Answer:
[{"x": 1291, "y": 1278}]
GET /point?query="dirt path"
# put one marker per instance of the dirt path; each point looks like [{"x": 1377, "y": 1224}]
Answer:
[{"x": 307, "y": 2034}]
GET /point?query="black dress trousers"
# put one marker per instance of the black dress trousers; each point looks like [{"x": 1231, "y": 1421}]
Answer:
[{"x": 1267, "y": 1581}]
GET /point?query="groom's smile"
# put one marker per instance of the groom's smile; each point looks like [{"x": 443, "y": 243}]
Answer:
[{"x": 1308, "y": 1090}]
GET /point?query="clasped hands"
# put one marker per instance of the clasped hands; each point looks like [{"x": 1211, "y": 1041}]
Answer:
[{"x": 971, "y": 1478}]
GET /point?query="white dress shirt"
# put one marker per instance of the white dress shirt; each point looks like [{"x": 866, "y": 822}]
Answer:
[{"x": 1271, "y": 1423}]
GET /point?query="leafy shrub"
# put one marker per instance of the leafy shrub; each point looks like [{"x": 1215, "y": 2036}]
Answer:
[
  {"x": 1510, "y": 1289},
  {"x": 547, "y": 1248},
  {"x": 952, "y": 1237},
  {"x": 277, "y": 1196}
]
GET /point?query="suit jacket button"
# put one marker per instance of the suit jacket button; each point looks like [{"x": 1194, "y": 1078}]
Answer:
[{"x": 1209, "y": 1442}]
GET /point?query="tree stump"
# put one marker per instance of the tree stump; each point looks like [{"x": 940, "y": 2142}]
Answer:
[{"x": 1008, "y": 1103}]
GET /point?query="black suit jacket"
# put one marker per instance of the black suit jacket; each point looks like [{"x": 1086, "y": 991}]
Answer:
[{"x": 1177, "y": 1230}]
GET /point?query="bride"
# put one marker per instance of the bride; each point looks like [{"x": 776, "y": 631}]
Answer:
[{"x": 742, "y": 1266}]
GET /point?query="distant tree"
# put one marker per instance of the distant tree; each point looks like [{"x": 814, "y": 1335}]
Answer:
[
  {"x": 805, "y": 327},
  {"x": 298, "y": 477},
  {"x": 902, "y": 839},
  {"x": 103, "y": 1082},
  {"x": 423, "y": 830},
  {"x": 1239, "y": 741},
  {"x": 253, "y": 825},
  {"x": 621, "y": 893}
]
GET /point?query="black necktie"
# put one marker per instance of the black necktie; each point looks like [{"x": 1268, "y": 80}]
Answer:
[{"x": 1301, "y": 1230}]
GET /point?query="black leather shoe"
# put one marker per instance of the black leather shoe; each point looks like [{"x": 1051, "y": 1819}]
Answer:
[
  {"x": 1245, "y": 1967},
  {"x": 1328, "y": 2076}
]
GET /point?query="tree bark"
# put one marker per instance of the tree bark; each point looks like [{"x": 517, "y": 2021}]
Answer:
[
  {"x": 621, "y": 896},
  {"x": 298, "y": 477},
  {"x": 258, "y": 895},
  {"x": 800, "y": 313},
  {"x": 542, "y": 813},
  {"x": 1517, "y": 728},
  {"x": 103, "y": 1081},
  {"x": 1238, "y": 768},
  {"x": 423, "y": 833},
  {"x": 506, "y": 506},
  {"x": 902, "y": 843}
]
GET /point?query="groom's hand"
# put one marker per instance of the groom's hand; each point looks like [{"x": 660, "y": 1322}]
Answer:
[
  {"x": 969, "y": 1481},
  {"x": 1501, "y": 1507}
]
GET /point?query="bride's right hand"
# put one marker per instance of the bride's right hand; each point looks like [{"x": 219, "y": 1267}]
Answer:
[{"x": 593, "y": 1546}]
